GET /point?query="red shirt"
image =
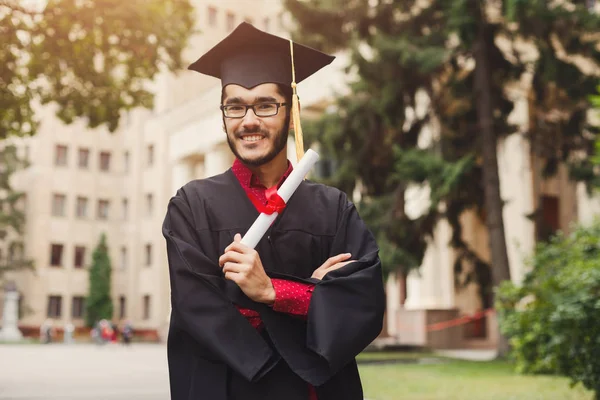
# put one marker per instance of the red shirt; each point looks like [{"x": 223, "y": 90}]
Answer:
[{"x": 290, "y": 297}]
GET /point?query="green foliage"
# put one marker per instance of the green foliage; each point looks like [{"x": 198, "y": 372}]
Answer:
[
  {"x": 372, "y": 137},
  {"x": 12, "y": 214},
  {"x": 99, "y": 302},
  {"x": 401, "y": 50},
  {"x": 91, "y": 58},
  {"x": 553, "y": 318}
]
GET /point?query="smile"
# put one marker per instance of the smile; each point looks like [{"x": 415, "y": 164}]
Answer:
[{"x": 252, "y": 138}]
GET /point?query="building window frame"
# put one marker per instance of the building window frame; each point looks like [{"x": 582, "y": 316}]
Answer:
[
  {"x": 148, "y": 255},
  {"x": 56, "y": 254},
  {"x": 146, "y": 308},
  {"x": 81, "y": 207},
  {"x": 77, "y": 307},
  {"x": 61, "y": 155},
  {"x": 104, "y": 161},
  {"x": 103, "y": 211},
  {"x": 79, "y": 257},
  {"x": 59, "y": 205},
  {"x": 83, "y": 158},
  {"x": 54, "y": 308}
]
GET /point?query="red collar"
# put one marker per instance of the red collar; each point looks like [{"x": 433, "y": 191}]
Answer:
[{"x": 248, "y": 180}]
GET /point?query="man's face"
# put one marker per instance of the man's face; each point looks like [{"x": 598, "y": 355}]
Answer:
[{"x": 256, "y": 140}]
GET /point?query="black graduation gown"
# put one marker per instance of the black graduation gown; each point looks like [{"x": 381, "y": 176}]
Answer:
[{"x": 213, "y": 352}]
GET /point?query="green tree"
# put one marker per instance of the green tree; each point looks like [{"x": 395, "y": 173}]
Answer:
[
  {"x": 99, "y": 302},
  {"x": 91, "y": 58},
  {"x": 553, "y": 318},
  {"x": 12, "y": 214},
  {"x": 372, "y": 136},
  {"x": 465, "y": 55}
]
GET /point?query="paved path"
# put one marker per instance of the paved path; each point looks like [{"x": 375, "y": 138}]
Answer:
[
  {"x": 83, "y": 372},
  {"x": 469, "y": 354}
]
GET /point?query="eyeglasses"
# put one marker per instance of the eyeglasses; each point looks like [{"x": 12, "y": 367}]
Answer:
[{"x": 260, "y": 110}]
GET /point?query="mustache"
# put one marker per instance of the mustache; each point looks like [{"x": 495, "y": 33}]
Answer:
[{"x": 258, "y": 130}]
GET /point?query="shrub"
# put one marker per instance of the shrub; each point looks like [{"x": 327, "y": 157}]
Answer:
[{"x": 553, "y": 318}]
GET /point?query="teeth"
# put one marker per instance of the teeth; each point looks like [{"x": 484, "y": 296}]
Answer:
[{"x": 252, "y": 138}]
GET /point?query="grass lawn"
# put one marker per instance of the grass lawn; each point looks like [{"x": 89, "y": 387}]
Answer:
[{"x": 462, "y": 380}]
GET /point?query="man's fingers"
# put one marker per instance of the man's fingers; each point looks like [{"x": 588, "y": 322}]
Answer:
[
  {"x": 336, "y": 259},
  {"x": 237, "y": 237},
  {"x": 232, "y": 276},
  {"x": 234, "y": 267},
  {"x": 338, "y": 265},
  {"x": 238, "y": 246},
  {"x": 231, "y": 256}
]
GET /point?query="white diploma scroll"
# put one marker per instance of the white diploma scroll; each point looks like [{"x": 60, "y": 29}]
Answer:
[{"x": 287, "y": 189}]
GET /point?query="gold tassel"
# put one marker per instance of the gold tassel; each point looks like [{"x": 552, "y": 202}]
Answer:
[{"x": 296, "y": 112}]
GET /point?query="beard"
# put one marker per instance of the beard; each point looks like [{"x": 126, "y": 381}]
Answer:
[{"x": 279, "y": 142}]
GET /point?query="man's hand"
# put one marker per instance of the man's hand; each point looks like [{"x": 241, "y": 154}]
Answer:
[
  {"x": 331, "y": 264},
  {"x": 243, "y": 266}
]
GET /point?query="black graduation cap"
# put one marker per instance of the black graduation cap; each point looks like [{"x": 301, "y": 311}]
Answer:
[{"x": 250, "y": 57}]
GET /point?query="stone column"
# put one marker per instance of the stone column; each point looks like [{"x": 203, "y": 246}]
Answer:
[
  {"x": 180, "y": 175},
  {"x": 10, "y": 332},
  {"x": 217, "y": 160}
]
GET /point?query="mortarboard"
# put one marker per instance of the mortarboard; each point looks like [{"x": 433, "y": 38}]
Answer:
[{"x": 249, "y": 57}]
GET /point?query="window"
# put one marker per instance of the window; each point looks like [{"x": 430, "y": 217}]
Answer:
[
  {"x": 79, "y": 257},
  {"x": 266, "y": 24},
  {"x": 149, "y": 204},
  {"x": 230, "y": 21},
  {"x": 148, "y": 255},
  {"x": 122, "y": 307},
  {"x": 54, "y": 306},
  {"x": 104, "y": 161},
  {"x": 125, "y": 209},
  {"x": 56, "y": 252},
  {"x": 81, "y": 209},
  {"x": 58, "y": 205},
  {"x": 146, "y": 314},
  {"x": 123, "y": 257},
  {"x": 60, "y": 155},
  {"x": 103, "y": 206},
  {"x": 83, "y": 158},
  {"x": 150, "y": 155},
  {"x": 212, "y": 16},
  {"x": 77, "y": 307},
  {"x": 126, "y": 161}
]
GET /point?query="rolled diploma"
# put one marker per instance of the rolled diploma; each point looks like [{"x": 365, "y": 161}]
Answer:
[{"x": 287, "y": 189}]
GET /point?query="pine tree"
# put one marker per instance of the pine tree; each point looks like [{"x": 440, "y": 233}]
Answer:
[
  {"x": 99, "y": 302},
  {"x": 12, "y": 214}
]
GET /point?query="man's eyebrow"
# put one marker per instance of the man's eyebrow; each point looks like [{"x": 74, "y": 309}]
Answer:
[
  {"x": 265, "y": 99},
  {"x": 234, "y": 100}
]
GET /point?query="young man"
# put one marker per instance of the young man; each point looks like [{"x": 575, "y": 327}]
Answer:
[{"x": 284, "y": 321}]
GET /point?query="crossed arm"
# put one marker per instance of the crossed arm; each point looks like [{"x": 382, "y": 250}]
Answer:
[{"x": 242, "y": 265}]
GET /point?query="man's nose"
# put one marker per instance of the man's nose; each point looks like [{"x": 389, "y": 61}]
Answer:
[{"x": 250, "y": 119}]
